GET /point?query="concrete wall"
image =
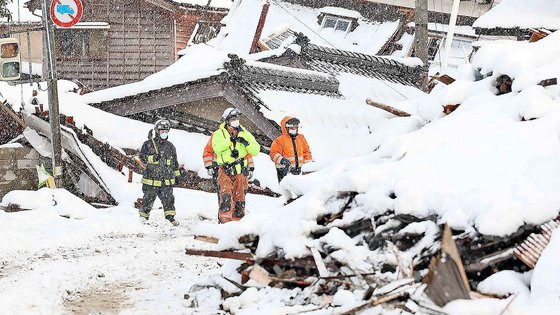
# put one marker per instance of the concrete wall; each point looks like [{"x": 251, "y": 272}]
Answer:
[{"x": 17, "y": 169}]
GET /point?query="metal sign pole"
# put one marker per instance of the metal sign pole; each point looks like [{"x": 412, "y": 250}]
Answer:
[{"x": 54, "y": 116}]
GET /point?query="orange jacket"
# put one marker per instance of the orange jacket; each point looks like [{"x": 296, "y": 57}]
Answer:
[
  {"x": 209, "y": 157},
  {"x": 283, "y": 147}
]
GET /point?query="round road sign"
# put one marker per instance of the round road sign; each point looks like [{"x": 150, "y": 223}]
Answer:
[{"x": 66, "y": 13}]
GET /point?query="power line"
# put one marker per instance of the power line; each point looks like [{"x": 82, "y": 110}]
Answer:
[{"x": 295, "y": 17}]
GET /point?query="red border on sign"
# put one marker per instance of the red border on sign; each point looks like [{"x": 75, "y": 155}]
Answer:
[{"x": 74, "y": 20}]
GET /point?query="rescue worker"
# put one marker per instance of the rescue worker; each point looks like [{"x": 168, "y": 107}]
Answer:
[
  {"x": 161, "y": 172},
  {"x": 209, "y": 158},
  {"x": 290, "y": 150},
  {"x": 231, "y": 143}
]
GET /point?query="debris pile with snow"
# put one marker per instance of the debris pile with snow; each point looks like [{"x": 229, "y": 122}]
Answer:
[{"x": 488, "y": 170}]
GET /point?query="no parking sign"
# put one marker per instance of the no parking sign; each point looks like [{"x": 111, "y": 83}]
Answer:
[{"x": 66, "y": 13}]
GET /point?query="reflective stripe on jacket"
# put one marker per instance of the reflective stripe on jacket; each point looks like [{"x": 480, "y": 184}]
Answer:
[
  {"x": 209, "y": 157},
  {"x": 161, "y": 162},
  {"x": 223, "y": 146},
  {"x": 283, "y": 147}
]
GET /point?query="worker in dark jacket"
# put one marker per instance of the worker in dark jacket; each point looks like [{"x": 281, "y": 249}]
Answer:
[{"x": 161, "y": 172}]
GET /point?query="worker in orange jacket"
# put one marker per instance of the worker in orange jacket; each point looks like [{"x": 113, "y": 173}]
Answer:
[{"x": 290, "y": 150}]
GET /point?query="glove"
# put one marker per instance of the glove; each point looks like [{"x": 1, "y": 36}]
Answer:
[
  {"x": 250, "y": 175},
  {"x": 284, "y": 162},
  {"x": 242, "y": 141},
  {"x": 296, "y": 170},
  {"x": 210, "y": 171}
]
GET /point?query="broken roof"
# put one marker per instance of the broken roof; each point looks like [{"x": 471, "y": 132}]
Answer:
[
  {"x": 522, "y": 14},
  {"x": 241, "y": 22}
]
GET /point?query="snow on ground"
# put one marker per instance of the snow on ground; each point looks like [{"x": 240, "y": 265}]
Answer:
[
  {"x": 100, "y": 260},
  {"x": 367, "y": 38}
]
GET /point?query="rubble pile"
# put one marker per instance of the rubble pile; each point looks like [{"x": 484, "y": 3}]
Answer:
[{"x": 398, "y": 260}]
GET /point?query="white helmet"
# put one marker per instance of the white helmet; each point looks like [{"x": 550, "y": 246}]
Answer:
[{"x": 230, "y": 112}]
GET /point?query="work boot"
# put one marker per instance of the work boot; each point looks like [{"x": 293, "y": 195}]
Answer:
[
  {"x": 144, "y": 216},
  {"x": 172, "y": 220}
]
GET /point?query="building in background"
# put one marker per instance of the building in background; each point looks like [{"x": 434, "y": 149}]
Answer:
[{"x": 119, "y": 41}]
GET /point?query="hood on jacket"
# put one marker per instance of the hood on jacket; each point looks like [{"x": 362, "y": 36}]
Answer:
[{"x": 283, "y": 124}]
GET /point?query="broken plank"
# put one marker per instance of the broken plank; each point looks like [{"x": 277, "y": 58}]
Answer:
[
  {"x": 207, "y": 239},
  {"x": 219, "y": 254},
  {"x": 490, "y": 260},
  {"x": 376, "y": 301},
  {"x": 323, "y": 272}
]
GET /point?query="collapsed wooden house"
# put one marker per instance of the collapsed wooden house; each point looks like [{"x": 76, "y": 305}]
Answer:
[{"x": 198, "y": 104}]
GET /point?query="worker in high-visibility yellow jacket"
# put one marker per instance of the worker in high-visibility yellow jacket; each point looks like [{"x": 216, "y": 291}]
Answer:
[{"x": 231, "y": 144}]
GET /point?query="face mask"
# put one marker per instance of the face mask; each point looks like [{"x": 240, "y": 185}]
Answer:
[
  {"x": 293, "y": 132},
  {"x": 234, "y": 123},
  {"x": 163, "y": 135}
]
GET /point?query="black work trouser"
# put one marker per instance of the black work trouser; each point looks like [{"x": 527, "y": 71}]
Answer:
[
  {"x": 280, "y": 173},
  {"x": 165, "y": 195}
]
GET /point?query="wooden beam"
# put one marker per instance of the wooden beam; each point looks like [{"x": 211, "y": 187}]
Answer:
[
  {"x": 387, "y": 108},
  {"x": 241, "y": 102},
  {"x": 176, "y": 95},
  {"x": 13, "y": 116},
  {"x": 220, "y": 254}
]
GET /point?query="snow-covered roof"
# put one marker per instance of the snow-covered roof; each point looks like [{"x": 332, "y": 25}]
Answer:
[
  {"x": 199, "y": 61},
  {"x": 466, "y": 8},
  {"x": 241, "y": 23},
  {"x": 341, "y": 12},
  {"x": 522, "y": 14},
  {"x": 220, "y": 4}
]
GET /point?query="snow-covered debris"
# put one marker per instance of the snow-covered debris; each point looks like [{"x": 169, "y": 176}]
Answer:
[
  {"x": 526, "y": 63},
  {"x": 522, "y": 14},
  {"x": 488, "y": 169}
]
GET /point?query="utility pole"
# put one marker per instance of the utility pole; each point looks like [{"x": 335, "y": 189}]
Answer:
[
  {"x": 450, "y": 34},
  {"x": 54, "y": 116},
  {"x": 421, "y": 30}
]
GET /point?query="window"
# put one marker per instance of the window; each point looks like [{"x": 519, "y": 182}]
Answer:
[
  {"x": 10, "y": 69},
  {"x": 336, "y": 23},
  {"x": 329, "y": 22},
  {"x": 204, "y": 32},
  {"x": 81, "y": 42},
  {"x": 9, "y": 50}
]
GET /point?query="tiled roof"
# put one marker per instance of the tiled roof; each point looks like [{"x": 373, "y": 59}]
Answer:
[
  {"x": 335, "y": 61},
  {"x": 265, "y": 78}
]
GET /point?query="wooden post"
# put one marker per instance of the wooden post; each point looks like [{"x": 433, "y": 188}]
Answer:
[
  {"x": 260, "y": 27},
  {"x": 421, "y": 30}
]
